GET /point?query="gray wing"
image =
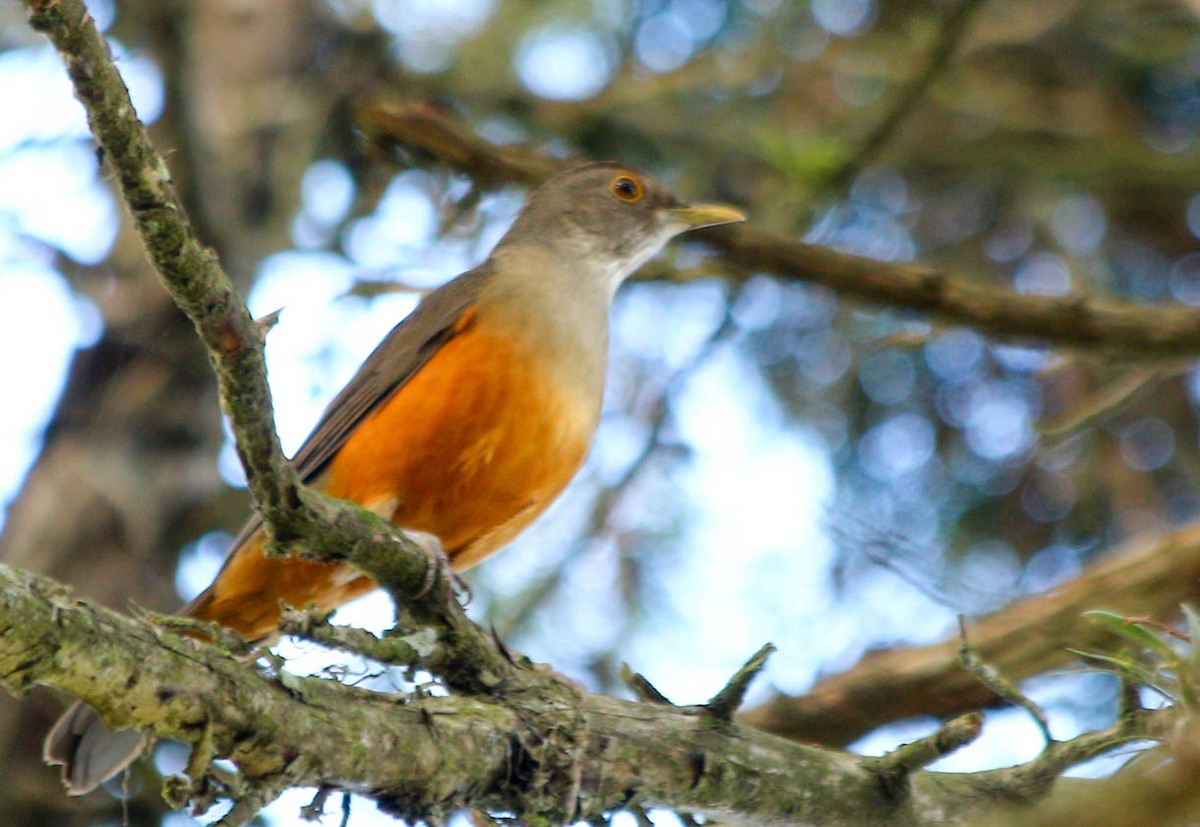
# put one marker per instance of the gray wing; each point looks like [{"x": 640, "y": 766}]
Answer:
[{"x": 404, "y": 351}]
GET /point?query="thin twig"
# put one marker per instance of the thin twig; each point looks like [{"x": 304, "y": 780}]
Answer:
[
  {"x": 726, "y": 702},
  {"x": 1104, "y": 401},
  {"x": 315, "y": 809},
  {"x": 991, "y": 677},
  {"x": 949, "y": 737},
  {"x": 642, "y": 688}
]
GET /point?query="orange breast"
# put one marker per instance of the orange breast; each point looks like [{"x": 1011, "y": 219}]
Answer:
[{"x": 471, "y": 449}]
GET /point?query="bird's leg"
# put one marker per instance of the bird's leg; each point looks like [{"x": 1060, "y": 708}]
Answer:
[{"x": 438, "y": 565}]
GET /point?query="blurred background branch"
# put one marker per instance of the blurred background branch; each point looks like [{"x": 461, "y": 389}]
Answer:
[
  {"x": 1026, "y": 638},
  {"x": 1127, "y": 330}
]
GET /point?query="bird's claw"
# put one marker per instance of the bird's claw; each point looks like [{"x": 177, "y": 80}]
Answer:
[
  {"x": 437, "y": 564},
  {"x": 438, "y": 567}
]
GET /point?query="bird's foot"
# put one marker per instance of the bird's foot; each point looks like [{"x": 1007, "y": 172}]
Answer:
[{"x": 438, "y": 566}]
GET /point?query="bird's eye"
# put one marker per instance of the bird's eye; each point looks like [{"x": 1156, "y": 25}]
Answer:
[{"x": 627, "y": 188}]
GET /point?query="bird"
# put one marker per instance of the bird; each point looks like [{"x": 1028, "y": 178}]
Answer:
[{"x": 464, "y": 424}]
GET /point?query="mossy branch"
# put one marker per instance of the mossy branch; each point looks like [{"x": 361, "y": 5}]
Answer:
[
  {"x": 187, "y": 269},
  {"x": 558, "y": 755}
]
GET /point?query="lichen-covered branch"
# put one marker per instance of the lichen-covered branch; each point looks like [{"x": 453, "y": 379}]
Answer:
[
  {"x": 558, "y": 753},
  {"x": 1128, "y": 330}
]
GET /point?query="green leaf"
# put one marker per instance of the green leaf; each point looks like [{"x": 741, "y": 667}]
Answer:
[
  {"x": 1131, "y": 670},
  {"x": 1136, "y": 633},
  {"x": 1193, "y": 625}
]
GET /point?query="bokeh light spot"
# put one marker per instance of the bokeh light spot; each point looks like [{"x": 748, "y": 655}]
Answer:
[
  {"x": 1185, "y": 280},
  {"x": 758, "y": 304},
  {"x": 1009, "y": 241},
  {"x": 199, "y": 563},
  {"x": 954, "y": 354},
  {"x": 564, "y": 62},
  {"x": 990, "y": 567},
  {"x": 327, "y": 191},
  {"x": 999, "y": 424},
  {"x": 1147, "y": 444},
  {"x": 1043, "y": 274},
  {"x": 887, "y": 376},
  {"x": 428, "y": 31},
  {"x": 824, "y": 357},
  {"x": 1192, "y": 215},
  {"x": 1078, "y": 224},
  {"x": 703, "y": 18},
  {"x": 29, "y": 291},
  {"x": 845, "y": 18},
  {"x": 898, "y": 445},
  {"x": 56, "y": 196},
  {"x": 663, "y": 43},
  {"x": 882, "y": 187},
  {"x": 405, "y": 218}
]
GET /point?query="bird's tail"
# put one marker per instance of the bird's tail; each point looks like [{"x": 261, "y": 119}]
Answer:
[
  {"x": 245, "y": 598},
  {"x": 90, "y": 753}
]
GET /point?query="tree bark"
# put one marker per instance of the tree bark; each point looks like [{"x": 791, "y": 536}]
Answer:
[{"x": 546, "y": 751}]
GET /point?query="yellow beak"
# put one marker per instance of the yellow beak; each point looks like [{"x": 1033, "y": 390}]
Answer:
[{"x": 706, "y": 215}]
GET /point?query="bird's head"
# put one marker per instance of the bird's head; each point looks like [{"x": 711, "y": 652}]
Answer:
[{"x": 609, "y": 216}]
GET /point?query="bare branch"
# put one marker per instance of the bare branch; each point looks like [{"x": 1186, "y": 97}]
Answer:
[
  {"x": 997, "y": 682},
  {"x": 641, "y": 687},
  {"x": 949, "y": 737},
  {"x": 726, "y": 702}
]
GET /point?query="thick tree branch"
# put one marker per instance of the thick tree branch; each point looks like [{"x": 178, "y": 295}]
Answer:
[
  {"x": 1024, "y": 639},
  {"x": 1120, "y": 328},
  {"x": 560, "y": 754}
]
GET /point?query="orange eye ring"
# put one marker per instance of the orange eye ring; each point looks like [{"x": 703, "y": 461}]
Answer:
[{"x": 627, "y": 188}]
